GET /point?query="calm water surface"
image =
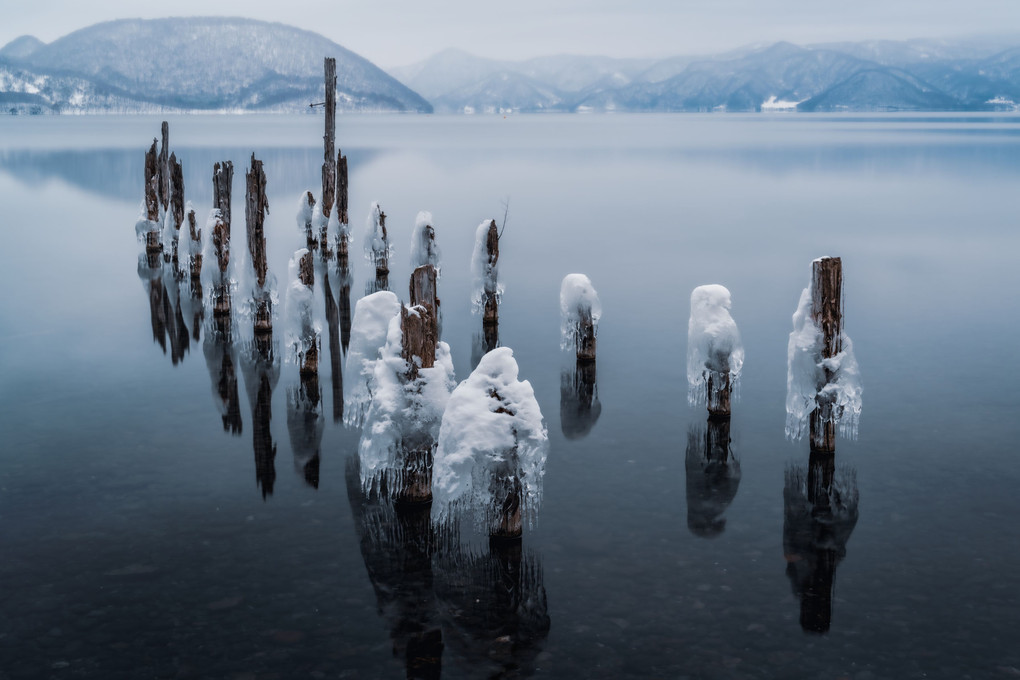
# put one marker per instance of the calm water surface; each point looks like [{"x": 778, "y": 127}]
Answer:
[{"x": 147, "y": 529}]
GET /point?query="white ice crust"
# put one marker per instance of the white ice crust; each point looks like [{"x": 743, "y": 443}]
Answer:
[
  {"x": 806, "y": 381},
  {"x": 369, "y": 328},
  {"x": 487, "y": 416},
  {"x": 577, "y": 297},
  {"x": 423, "y": 249},
  {"x": 713, "y": 341}
]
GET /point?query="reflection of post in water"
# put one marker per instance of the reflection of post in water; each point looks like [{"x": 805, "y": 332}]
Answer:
[
  {"x": 397, "y": 544},
  {"x": 221, "y": 359},
  {"x": 820, "y": 513},
  {"x": 305, "y": 424},
  {"x": 344, "y": 304},
  {"x": 494, "y": 609},
  {"x": 261, "y": 365},
  {"x": 713, "y": 476},
  {"x": 165, "y": 311},
  {"x": 579, "y": 400},
  {"x": 333, "y": 323}
]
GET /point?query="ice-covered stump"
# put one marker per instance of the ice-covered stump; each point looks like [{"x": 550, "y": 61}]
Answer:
[
  {"x": 305, "y": 211},
  {"x": 377, "y": 244},
  {"x": 409, "y": 395},
  {"x": 369, "y": 328},
  {"x": 487, "y": 291},
  {"x": 492, "y": 449},
  {"x": 424, "y": 249},
  {"x": 256, "y": 207},
  {"x": 148, "y": 226},
  {"x": 823, "y": 379},
  {"x": 192, "y": 245},
  {"x": 714, "y": 352},
  {"x": 302, "y": 326},
  {"x": 580, "y": 311}
]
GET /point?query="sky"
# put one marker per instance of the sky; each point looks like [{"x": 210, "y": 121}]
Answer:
[{"x": 400, "y": 32}]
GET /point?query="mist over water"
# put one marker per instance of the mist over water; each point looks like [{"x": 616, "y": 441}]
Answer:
[{"x": 137, "y": 537}]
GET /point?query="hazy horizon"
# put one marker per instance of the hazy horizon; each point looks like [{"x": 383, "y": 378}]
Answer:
[{"x": 397, "y": 33}]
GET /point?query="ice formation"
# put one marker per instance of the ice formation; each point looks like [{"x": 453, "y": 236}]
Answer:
[
  {"x": 304, "y": 212},
  {"x": 485, "y": 273},
  {"x": 578, "y": 300},
  {"x": 813, "y": 381},
  {"x": 713, "y": 342},
  {"x": 491, "y": 434},
  {"x": 404, "y": 415},
  {"x": 369, "y": 329},
  {"x": 377, "y": 245},
  {"x": 302, "y": 326},
  {"x": 423, "y": 243}
]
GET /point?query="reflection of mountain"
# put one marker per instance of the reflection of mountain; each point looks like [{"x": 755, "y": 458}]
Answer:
[
  {"x": 713, "y": 476},
  {"x": 579, "y": 400},
  {"x": 820, "y": 513},
  {"x": 119, "y": 173}
]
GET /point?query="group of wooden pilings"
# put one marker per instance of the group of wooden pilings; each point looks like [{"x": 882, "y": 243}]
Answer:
[
  {"x": 334, "y": 180},
  {"x": 164, "y": 193}
]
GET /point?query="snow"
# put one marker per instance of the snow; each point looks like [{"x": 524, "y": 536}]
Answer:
[
  {"x": 369, "y": 329},
  {"x": 404, "y": 415},
  {"x": 423, "y": 244},
  {"x": 806, "y": 384},
  {"x": 304, "y": 211},
  {"x": 491, "y": 430},
  {"x": 578, "y": 299},
  {"x": 775, "y": 104},
  {"x": 485, "y": 275},
  {"x": 713, "y": 341}
]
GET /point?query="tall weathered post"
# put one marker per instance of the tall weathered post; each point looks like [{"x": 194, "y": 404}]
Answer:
[
  {"x": 329, "y": 143},
  {"x": 223, "y": 176},
  {"x": 310, "y": 359},
  {"x": 153, "y": 245},
  {"x": 256, "y": 207},
  {"x": 490, "y": 315},
  {"x": 827, "y": 314},
  {"x": 176, "y": 202},
  {"x": 419, "y": 329},
  {"x": 342, "y": 248},
  {"x": 164, "y": 168}
]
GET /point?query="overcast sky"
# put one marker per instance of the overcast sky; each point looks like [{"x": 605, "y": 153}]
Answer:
[{"x": 399, "y": 32}]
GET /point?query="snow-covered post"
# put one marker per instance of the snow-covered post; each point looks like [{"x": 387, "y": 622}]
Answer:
[
  {"x": 310, "y": 358},
  {"x": 195, "y": 235},
  {"x": 223, "y": 179},
  {"x": 492, "y": 448},
  {"x": 580, "y": 310},
  {"x": 163, "y": 170},
  {"x": 306, "y": 206},
  {"x": 329, "y": 143},
  {"x": 489, "y": 266},
  {"x": 715, "y": 355},
  {"x": 823, "y": 379},
  {"x": 377, "y": 247}
]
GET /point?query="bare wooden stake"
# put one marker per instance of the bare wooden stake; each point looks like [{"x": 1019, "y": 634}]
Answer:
[
  {"x": 223, "y": 179},
  {"x": 196, "y": 237},
  {"x": 490, "y": 314},
  {"x": 151, "y": 184},
  {"x": 718, "y": 389},
  {"x": 827, "y": 314},
  {"x": 164, "y": 168},
  {"x": 586, "y": 340},
  {"x": 176, "y": 202},
  {"x": 341, "y": 188},
  {"x": 255, "y": 209},
  {"x": 311, "y": 242},
  {"x": 419, "y": 325},
  {"x": 329, "y": 140}
]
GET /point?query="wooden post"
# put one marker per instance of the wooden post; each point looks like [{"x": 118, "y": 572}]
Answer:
[
  {"x": 585, "y": 336},
  {"x": 419, "y": 326},
  {"x": 827, "y": 314},
  {"x": 344, "y": 304},
  {"x": 328, "y": 139},
  {"x": 311, "y": 242},
  {"x": 508, "y": 525},
  {"x": 718, "y": 388},
  {"x": 382, "y": 255},
  {"x": 255, "y": 209},
  {"x": 223, "y": 179},
  {"x": 341, "y": 188},
  {"x": 196, "y": 237},
  {"x": 153, "y": 245},
  {"x": 490, "y": 315},
  {"x": 163, "y": 171},
  {"x": 176, "y": 202}
]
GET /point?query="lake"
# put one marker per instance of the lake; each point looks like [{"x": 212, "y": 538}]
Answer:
[{"x": 148, "y": 529}]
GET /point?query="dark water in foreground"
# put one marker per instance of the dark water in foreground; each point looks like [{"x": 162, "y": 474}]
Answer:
[{"x": 135, "y": 538}]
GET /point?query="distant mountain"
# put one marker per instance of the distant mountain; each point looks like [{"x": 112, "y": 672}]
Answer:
[
  {"x": 915, "y": 75},
  {"x": 19, "y": 48},
  {"x": 194, "y": 64}
]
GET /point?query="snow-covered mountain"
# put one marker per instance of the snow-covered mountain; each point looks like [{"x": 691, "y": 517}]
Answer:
[
  {"x": 192, "y": 64},
  {"x": 916, "y": 75}
]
